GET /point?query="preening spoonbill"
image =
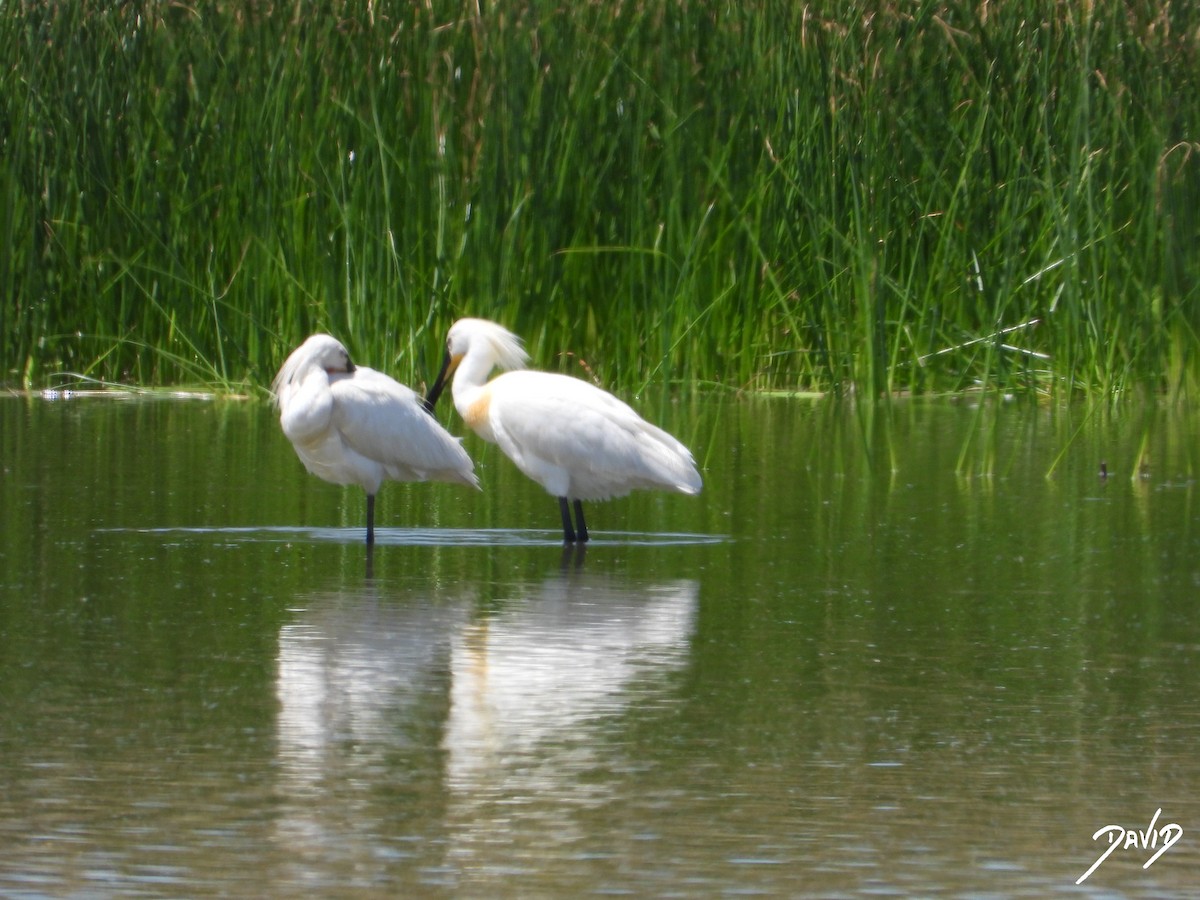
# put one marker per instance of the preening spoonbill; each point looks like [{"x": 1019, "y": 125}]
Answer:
[
  {"x": 354, "y": 425},
  {"x": 575, "y": 440}
]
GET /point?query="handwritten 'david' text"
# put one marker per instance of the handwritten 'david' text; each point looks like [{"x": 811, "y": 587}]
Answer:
[{"x": 1129, "y": 839}]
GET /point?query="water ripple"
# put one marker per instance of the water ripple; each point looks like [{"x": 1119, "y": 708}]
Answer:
[{"x": 431, "y": 537}]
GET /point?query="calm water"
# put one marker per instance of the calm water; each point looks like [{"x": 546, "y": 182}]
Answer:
[{"x": 882, "y": 654}]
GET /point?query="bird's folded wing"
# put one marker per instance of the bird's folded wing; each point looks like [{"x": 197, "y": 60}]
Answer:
[{"x": 385, "y": 421}]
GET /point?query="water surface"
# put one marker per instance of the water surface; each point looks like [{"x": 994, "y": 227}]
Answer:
[{"x": 883, "y": 653}]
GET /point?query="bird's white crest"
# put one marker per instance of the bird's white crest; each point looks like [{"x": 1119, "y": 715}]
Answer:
[{"x": 487, "y": 340}]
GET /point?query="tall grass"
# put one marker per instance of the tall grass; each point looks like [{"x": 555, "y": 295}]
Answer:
[{"x": 855, "y": 197}]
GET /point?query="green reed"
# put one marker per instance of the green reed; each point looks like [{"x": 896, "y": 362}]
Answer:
[{"x": 863, "y": 197}]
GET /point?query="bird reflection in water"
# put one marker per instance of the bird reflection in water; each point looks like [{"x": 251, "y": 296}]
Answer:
[{"x": 518, "y": 685}]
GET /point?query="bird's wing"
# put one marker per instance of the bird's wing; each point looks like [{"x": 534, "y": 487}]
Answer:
[
  {"x": 385, "y": 421},
  {"x": 569, "y": 423}
]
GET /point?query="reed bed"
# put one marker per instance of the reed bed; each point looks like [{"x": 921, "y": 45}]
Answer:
[{"x": 855, "y": 197}]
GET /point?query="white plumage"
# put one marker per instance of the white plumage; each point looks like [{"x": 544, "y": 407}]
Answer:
[
  {"x": 354, "y": 425},
  {"x": 574, "y": 439}
]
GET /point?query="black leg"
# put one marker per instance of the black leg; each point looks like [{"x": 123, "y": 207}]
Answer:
[
  {"x": 580, "y": 524},
  {"x": 568, "y": 531},
  {"x": 370, "y": 520}
]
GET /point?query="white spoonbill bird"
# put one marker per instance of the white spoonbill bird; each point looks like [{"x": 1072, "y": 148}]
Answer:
[
  {"x": 354, "y": 425},
  {"x": 575, "y": 440}
]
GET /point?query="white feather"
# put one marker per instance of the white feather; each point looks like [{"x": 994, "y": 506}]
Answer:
[
  {"x": 354, "y": 425},
  {"x": 574, "y": 439}
]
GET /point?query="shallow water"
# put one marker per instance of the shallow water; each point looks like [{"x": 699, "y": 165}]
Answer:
[{"x": 881, "y": 654}]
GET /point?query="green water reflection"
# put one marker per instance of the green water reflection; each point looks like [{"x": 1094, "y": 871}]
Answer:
[{"x": 882, "y": 653}]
